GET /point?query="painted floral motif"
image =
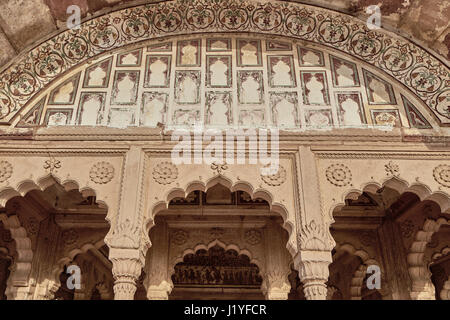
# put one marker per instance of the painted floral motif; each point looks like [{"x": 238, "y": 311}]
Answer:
[
  {"x": 427, "y": 77},
  {"x": 102, "y": 172},
  {"x": 165, "y": 173},
  {"x": 339, "y": 175},
  {"x": 442, "y": 175},
  {"x": 276, "y": 179},
  {"x": 6, "y": 170}
]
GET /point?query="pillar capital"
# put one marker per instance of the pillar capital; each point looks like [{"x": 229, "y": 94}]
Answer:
[
  {"x": 127, "y": 267},
  {"x": 313, "y": 272}
]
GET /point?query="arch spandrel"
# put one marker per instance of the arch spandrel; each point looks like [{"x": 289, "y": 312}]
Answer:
[{"x": 425, "y": 76}]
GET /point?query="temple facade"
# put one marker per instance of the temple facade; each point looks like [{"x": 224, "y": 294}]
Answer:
[{"x": 132, "y": 162}]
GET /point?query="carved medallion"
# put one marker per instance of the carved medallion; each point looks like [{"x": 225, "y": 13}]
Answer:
[
  {"x": 165, "y": 173},
  {"x": 102, "y": 172},
  {"x": 69, "y": 237},
  {"x": 392, "y": 169},
  {"x": 52, "y": 165},
  {"x": 179, "y": 237},
  {"x": 219, "y": 167},
  {"x": 276, "y": 179},
  {"x": 6, "y": 170},
  {"x": 442, "y": 175},
  {"x": 253, "y": 237},
  {"x": 339, "y": 175},
  {"x": 216, "y": 233},
  {"x": 32, "y": 226},
  {"x": 367, "y": 238}
]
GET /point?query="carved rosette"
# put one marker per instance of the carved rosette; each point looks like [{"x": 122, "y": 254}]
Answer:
[
  {"x": 276, "y": 179},
  {"x": 102, "y": 172},
  {"x": 339, "y": 175},
  {"x": 179, "y": 237},
  {"x": 6, "y": 170},
  {"x": 442, "y": 175},
  {"x": 165, "y": 173},
  {"x": 69, "y": 237},
  {"x": 392, "y": 169},
  {"x": 253, "y": 237}
]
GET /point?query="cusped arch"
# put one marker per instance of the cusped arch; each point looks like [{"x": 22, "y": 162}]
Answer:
[
  {"x": 360, "y": 273},
  {"x": 22, "y": 265},
  {"x": 422, "y": 287},
  {"x": 213, "y": 243},
  {"x": 196, "y": 185},
  {"x": 71, "y": 48},
  {"x": 422, "y": 191},
  {"x": 445, "y": 292}
]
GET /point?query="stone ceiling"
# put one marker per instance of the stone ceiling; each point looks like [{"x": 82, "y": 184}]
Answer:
[{"x": 24, "y": 22}]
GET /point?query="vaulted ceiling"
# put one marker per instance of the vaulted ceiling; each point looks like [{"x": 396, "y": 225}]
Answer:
[{"x": 24, "y": 22}]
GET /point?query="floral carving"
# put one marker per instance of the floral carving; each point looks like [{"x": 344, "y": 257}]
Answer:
[
  {"x": 165, "y": 173},
  {"x": 219, "y": 167},
  {"x": 179, "y": 237},
  {"x": 339, "y": 175},
  {"x": 52, "y": 165},
  {"x": 253, "y": 237},
  {"x": 102, "y": 172},
  {"x": 216, "y": 233},
  {"x": 406, "y": 228},
  {"x": 69, "y": 237},
  {"x": 32, "y": 226},
  {"x": 391, "y": 169},
  {"x": 6, "y": 170},
  {"x": 442, "y": 175},
  {"x": 367, "y": 238},
  {"x": 276, "y": 179}
]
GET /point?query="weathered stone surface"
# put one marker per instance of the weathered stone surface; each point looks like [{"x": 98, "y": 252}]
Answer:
[
  {"x": 7, "y": 51},
  {"x": 25, "y": 21}
]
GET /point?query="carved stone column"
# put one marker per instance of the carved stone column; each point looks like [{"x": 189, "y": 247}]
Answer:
[
  {"x": 157, "y": 282},
  {"x": 276, "y": 284},
  {"x": 313, "y": 230},
  {"x": 313, "y": 272},
  {"x": 127, "y": 266}
]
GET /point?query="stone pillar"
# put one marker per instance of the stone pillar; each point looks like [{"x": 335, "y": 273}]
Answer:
[
  {"x": 314, "y": 240},
  {"x": 313, "y": 272},
  {"x": 395, "y": 259},
  {"x": 276, "y": 284},
  {"x": 127, "y": 266},
  {"x": 157, "y": 282}
]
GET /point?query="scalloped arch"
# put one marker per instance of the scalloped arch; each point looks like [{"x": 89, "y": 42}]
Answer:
[
  {"x": 422, "y": 191},
  {"x": 360, "y": 273},
  {"x": 232, "y": 186},
  {"x": 22, "y": 265},
  {"x": 418, "y": 270},
  {"x": 425, "y": 75},
  {"x": 207, "y": 246}
]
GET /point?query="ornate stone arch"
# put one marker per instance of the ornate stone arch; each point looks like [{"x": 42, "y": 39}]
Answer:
[
  {"x": 197, "y": 185},
  {"x": 422, "y": 288},
  {"x": 54, "y": 283},
  {"x": 302, "y": 22},
  {"x": 422, "y": 191},
  {"x": 22, "y": 267},
  {"x": 360, "y": 273}
]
